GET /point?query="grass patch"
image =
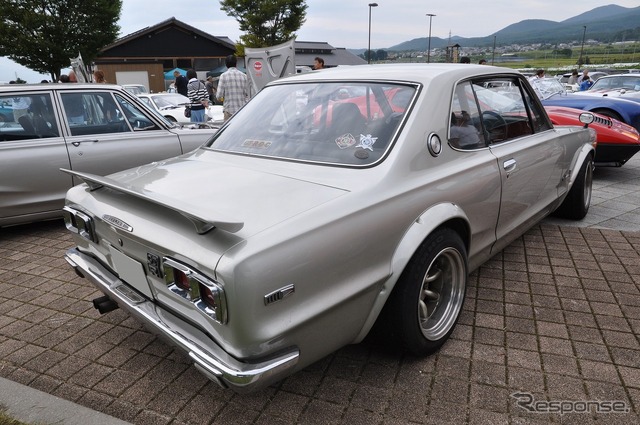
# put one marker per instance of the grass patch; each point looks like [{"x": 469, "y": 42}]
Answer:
[{"x": 5, "y": 419}]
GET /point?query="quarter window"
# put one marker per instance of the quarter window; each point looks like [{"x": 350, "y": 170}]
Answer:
[{"x": 465, "y": 128}]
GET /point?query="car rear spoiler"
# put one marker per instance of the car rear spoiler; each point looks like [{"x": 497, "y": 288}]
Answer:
[{"x": 202, "y": 223}]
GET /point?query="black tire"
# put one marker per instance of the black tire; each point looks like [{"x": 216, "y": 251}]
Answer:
[
  {"x": 427, "y": 301},
  {"x": 576, "y": 205}
]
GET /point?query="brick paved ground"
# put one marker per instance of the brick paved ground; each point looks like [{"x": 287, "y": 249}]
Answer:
[{"x": 556, "y": 315}]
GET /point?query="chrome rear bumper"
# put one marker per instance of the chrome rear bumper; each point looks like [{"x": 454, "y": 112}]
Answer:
[{"x": 208, "y": 357}]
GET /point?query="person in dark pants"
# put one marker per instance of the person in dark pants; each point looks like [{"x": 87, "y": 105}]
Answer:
[{"x": 181, "y": 83}]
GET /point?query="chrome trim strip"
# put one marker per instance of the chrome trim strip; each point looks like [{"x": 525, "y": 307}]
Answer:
[
  {"x": 207, "y": 355},
  {"x": 279, "y": 294}
]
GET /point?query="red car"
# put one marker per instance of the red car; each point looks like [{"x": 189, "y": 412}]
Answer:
[{"x": 617, "y": 141}]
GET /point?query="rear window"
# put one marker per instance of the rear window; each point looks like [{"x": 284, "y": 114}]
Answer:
[{"x": 335, "y": 123}]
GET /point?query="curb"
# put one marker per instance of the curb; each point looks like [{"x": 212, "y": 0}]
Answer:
[{"x": 33, "y": 406}]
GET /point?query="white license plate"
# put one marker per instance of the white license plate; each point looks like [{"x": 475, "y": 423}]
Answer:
[{"x": 131, "y": 271}]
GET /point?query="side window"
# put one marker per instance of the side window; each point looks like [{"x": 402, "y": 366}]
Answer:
[
  {"x": 465, "y": 129},
  {"x": 502, "y": 109},
  {"x": 92, "y": 113},
  {"x": 27, "y": 117},
  {"x": 137, "y": 119}
]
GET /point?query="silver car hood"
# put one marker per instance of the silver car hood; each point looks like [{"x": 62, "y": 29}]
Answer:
[{"x": 227, "y": 197}]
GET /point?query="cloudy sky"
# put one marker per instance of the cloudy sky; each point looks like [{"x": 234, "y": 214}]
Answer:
[{"x": 344, "y": 23}]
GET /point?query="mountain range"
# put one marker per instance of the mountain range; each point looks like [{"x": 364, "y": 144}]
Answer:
[{"x": 606, "y": 24}]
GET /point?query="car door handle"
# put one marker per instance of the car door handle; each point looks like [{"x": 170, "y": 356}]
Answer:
[
  {"x": 79, "y": 142},
  {"x": 509, "y": 165}
]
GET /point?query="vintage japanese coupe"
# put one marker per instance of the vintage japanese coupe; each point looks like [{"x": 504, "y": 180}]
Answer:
[{"x": 332, "y": 201}]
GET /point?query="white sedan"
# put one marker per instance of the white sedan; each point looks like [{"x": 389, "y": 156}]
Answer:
[{"x": 171, "y": 106}]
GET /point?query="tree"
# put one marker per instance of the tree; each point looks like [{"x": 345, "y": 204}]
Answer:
[
  {"x": 381, "y": 55},
  {"x": 266, "y": 22},
  {"x": 44, "y": 34},
  {"x": 370, "y": 55}
]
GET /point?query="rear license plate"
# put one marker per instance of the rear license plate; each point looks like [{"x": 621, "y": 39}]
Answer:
[{"x": 131, "y": 271}]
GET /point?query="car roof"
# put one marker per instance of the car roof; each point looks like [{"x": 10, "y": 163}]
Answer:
[
  {"x": 57, "y": 86},
  {"x": 419, "y": 73},
  {"x": 634, "y": 76}
]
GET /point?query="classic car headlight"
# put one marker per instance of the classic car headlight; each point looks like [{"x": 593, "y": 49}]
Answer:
[
  {"x": 206, "y": 294},
  {"x": 80, "y": 223}
]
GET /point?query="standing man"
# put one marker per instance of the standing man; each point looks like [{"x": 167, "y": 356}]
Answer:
[
  {"x": 181, "y": 83},
  {"x": 211, "y": 89},
  {"x": 318, "y": 63},
  {"x": 233, "y": 89}
]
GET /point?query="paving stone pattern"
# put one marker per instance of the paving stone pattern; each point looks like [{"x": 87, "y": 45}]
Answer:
[{"x": 556, "y": 314}]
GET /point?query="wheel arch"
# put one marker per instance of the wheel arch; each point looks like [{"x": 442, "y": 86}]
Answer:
[
  {"x": 608, "y": 112},
  {"x": 582, "y": 155},
  {"x": 444, "y": 215}
]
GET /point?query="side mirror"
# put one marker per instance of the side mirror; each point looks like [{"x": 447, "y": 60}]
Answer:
[{"x": 587, "y": 118}]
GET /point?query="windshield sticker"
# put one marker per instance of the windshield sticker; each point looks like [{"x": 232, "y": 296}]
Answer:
[
  {"x": 366, "y": 142},
  {"x": 345, "y": 141},
  {"x": 258, "y": 144}
]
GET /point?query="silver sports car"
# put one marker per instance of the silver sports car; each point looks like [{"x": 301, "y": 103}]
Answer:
[{"x": 333, "y": 203}]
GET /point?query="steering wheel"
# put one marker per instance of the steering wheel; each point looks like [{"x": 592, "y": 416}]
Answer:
[
  {"x": 495, "y": 125},
  {"x": 494, "y": 117}
]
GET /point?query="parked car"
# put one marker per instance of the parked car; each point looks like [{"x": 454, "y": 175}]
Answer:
[
  {"x": 135, "y": 89},
  {"x": 171, "y": 106},
  {"x": 619, "y": 85},
  {"x": 288, "y": 236},
  {"x": 617, "y": 141},
  {"x": 96, "y": 128},
  {"x": 564, "y": 79},
  {"x": 553, "y": 93}
]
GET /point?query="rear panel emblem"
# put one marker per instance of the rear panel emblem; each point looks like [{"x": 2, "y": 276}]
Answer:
[{"x": 115, "y": 221}]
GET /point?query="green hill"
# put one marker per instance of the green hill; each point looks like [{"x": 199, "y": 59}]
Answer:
[{"x": 606, "y": 24}]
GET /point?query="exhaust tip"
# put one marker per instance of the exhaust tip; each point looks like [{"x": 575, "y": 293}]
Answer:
[{"x": 104, "y": 304}]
